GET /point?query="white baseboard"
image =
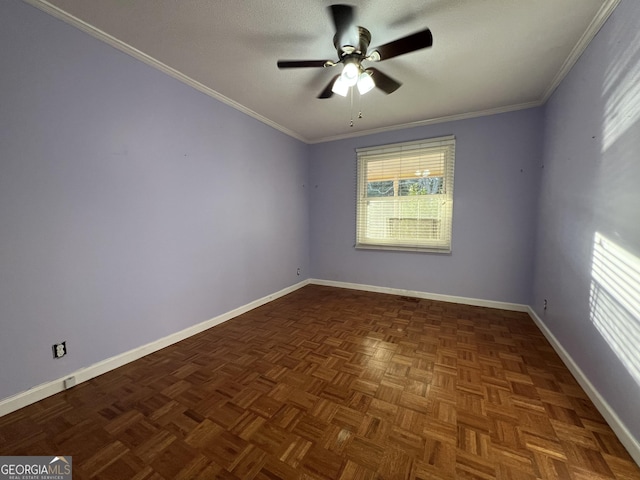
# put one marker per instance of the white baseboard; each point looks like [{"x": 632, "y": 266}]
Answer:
[
  {"x": 15, "y": 402},
  {"x": 515, "y": 307},
  {"x": 626, "y": 438},
  {"x": 624, "y": 435},
  {"x": 22, "y": 399},
  {"x": 39, "y": 392}
]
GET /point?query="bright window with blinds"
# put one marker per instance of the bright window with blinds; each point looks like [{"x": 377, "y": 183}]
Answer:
[{"x": 405, "y": 195}]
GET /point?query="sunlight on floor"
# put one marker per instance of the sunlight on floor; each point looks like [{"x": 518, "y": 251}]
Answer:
[{"x": 615, "y": 300}]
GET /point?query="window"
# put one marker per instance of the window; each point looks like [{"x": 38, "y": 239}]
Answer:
[{"x": 405, "y": 196}]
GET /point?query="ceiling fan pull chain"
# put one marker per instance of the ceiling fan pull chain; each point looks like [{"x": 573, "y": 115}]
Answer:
[{"x": 351, "y": 110}]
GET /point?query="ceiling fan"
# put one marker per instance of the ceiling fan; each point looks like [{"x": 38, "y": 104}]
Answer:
[{"x": 351, "y": 43}]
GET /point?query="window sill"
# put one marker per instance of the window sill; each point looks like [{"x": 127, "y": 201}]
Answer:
[{"x": 403, "y": 248}]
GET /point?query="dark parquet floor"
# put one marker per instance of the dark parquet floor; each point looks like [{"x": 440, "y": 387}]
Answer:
[{"x": 330, "y": 383}]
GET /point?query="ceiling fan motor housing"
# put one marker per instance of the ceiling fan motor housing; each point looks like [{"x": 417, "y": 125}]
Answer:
[{"x": 364, "y": 39}]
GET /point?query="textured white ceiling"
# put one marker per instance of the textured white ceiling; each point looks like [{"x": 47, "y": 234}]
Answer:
[{"x": 488, "y": 55}]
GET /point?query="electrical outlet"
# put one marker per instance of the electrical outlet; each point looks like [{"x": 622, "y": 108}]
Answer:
[
  {"x": 298, "y": 272},
  {"x": 59, "y": 350},
  {"x": 545, "y": 304}
]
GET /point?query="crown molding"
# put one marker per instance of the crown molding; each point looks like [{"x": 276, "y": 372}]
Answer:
[
  {"x": 139, "y": 55},
  {"x": 603, "y": 14},
  {"x": 431, "y": 121},
  {"x": 592, "y": 30}
]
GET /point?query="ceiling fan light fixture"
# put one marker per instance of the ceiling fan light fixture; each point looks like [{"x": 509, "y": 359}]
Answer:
[
  {"x": 340, "y": 87},
  {"x": 374, "y": 56},
  {"x": 350, "y": 73},
  {"x": 365, "y": 83},
  {"x": 352, "y": 44}
]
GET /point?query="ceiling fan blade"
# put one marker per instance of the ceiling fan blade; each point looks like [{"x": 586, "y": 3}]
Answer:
[
  {"x": 302, "y": 63},
  {"x": 407, "y": 44},
  {"x": 384, "y": 82},
  {"x": 344, "y": 20},
  {"x": 328, "y": 92}
]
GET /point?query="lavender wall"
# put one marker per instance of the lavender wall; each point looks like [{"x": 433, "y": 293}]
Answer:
[
  {"x": 497, "y": 174},
  {"x": 588, "y": 255},
  {"x": 131, "y": 205},
  {"x": 122, "y": 218}
]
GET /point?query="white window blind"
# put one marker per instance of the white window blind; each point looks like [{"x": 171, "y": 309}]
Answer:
[{"x": 405, "y": 195}]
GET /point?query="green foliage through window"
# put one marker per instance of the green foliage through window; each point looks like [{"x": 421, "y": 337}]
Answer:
[
  {"x": 420, "y": 186},
  {"x": 380, "y": 189}
]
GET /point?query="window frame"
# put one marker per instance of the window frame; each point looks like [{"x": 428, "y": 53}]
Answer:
[{"x": 395, "y": 153}]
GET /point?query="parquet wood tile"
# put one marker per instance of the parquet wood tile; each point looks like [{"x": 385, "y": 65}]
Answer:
[{"x": 330, "y": 383}]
